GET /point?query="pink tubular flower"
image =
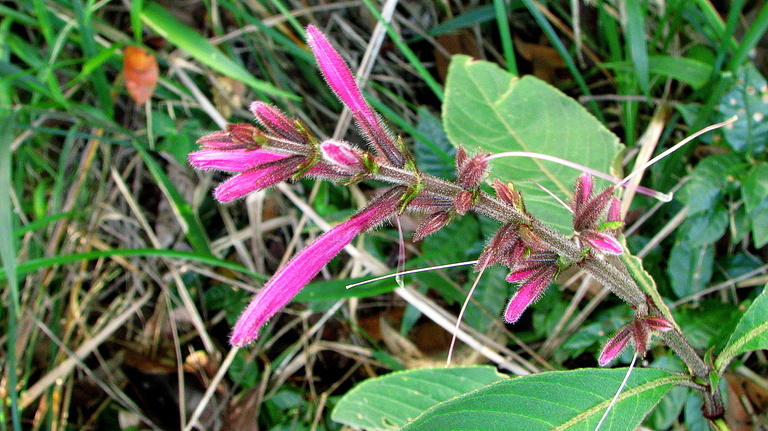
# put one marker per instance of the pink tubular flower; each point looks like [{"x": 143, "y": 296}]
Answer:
[
  {"x": 340, "y": 79},
  {"x": 259, "y": 178},
  {"x": 532, "y": 286},
  {"x": 299, "y": 271},
  {"x": 534, "y": 275}
]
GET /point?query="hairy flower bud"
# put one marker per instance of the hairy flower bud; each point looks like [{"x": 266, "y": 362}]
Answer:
[
  {"x": 463, "y": 202},
  {"x": 277, "y": 123},
  {"x": 431, "y": 224},
  {"x": 343, "y": 157},
  {"x": 508, "y": 194}
]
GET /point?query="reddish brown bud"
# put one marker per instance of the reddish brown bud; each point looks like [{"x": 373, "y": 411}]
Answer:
[
  {"x": 508, "y": 194},
  {"x": 243, "y": 134},
  {"x": 431, "y": 224},
  {"x": 504, "y": 239},
  {"x": 472, "y": 171},
  {"x": 461, "y": 157},
  {"x": 659, "y": 324},
  {"x": 277, "y": 123},
  {"x": 463, "y": 202}
]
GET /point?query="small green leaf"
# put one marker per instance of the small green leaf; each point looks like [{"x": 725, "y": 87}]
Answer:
[
  {"x": 747, "y": 99},
  {"x": 705, "y": 227},
  {"x": 333, "y": 290},
  {"x": 558, "y": 400},
  {"x": 751, "y": 333},
  {"x": 434, "y": 153},
  {"x": 690, "y": 267},
  {"x": 488, "y": 108},
  {"x": 754, "y": 190},
  {"x": 693, "y": 72},
  {"x": 167, "y": 26},
  {"x": 390, "y": 401},
  {"x": 710, "y": 180}
]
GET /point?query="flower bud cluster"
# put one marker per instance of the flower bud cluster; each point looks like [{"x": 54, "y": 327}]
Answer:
[{"x": 283, "y": 149}]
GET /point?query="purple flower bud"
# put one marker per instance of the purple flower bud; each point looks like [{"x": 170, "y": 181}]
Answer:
[
  {"x": 615, "y": 346},
  {"x": 433, "y": 223},
  {"x": 340, "y": 79},
  {"x": 660, "y": 324},
  {"x": 276, "y": 122},
  {"x": 302, "y": 268},
  {"x": 344, "y": 157},
  {"x": 504, "y": 239},
  {"x": 220, "y": 140},
  {"x": 601, "y": 241},
  {"x": 614, "y": 210}
]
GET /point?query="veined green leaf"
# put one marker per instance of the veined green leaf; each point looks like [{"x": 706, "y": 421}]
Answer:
[
  {"x": 487, "y": 108},
  {"x": 558, "y": 400},
  {"x": 751, "y": 332},
  {"x": 388, "y": 402}
]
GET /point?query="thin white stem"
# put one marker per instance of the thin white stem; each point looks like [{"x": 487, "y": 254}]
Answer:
[
  {"x": 675, "y": 147},
  {"x": 412, "y": 271},
  {"x": 461, "y": 315},
  {"x": 644, "y": 190},
  {"x": 618, "y": 392}
]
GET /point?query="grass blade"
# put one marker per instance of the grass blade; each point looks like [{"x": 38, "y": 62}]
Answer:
[
  {"x": 8, "y": 255},
  {"x": 202, "y": 50}
]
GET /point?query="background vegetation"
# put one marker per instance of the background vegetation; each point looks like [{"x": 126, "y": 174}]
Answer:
[{"x": 121, "y": 275}]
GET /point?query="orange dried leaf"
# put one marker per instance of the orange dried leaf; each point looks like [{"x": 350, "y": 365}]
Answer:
[{"x": 141, "y": 73}]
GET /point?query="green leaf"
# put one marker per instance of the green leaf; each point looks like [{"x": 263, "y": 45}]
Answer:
[
  {"x": 710, "y": 180},
  {"x": 748, "y": 99},
  {"x": 487, "y": 108},
  {"x": 690, "y": 267},
  {"x": 705, "y": 227},
  {"x": 751, "y": 333},
  {"x": 558, "y": 400},
  {"x": 754, "y": 190},
  {"x": 390, "y": 401},
  {"x": 434, "y": 153},
  {"x": 167, "y": 26},
  {"x": 693, "y": 72},
  {"x": 334, "y": 290}
]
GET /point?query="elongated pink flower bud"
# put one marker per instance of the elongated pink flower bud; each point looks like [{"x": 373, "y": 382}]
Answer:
[
  {"x": 602, "y": 241},
  {"x": 344, "y": 157},
  {"x": 615, "y": 346},
  {"x": 531, "y": 288},
  {"x": 583, "y": 190},
  {"x": 277, "y": 123},
  {"x": 262, "y": 177},
  {"x": 340, "y": 79},
  {"x": 299, "y": 271}
]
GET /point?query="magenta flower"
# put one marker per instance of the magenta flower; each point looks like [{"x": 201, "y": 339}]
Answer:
[
  {"x": 299, "y": 271},
  {"x": 587, "y": 212},
  {"x": 340, "y": 79},
  {"x": 534, "y": 274}
]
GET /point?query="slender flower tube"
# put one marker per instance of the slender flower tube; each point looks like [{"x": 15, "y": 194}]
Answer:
[
  {"x": 302, "y": 268},
  {"x": 340, "y": 79}
]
